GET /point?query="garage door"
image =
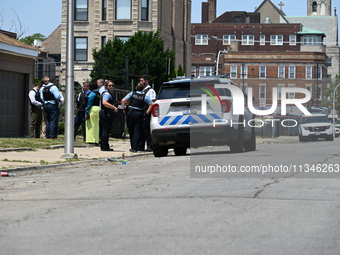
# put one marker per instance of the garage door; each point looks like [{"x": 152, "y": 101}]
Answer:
[{"x": 12, "y": 104}]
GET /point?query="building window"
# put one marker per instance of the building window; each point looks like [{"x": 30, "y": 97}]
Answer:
[
  {"x": 201, "y": 39},
  {"x": 276, "y": 40},
  {"x": 81, "y": 10},
  {"x": 292, "y": 40},
  {"x": 319, "y": 93},
  {"x": 262, "y": 40},
  {"x": 206, "y": 70},
  {"x": 329, "y": 61},
  {"x": 309, "y": 72},
  {"x": 291, "y": 95},
  {"x": 104, "y": 9},
  {"x": 291, "y": 72},
  {"x": 193, "y": 71},
  {"x": 262, "y": 73},
  {"x": 227, "y": 39},
  {"x": 262, "y": 95},
  {"x": 247, "y": 40},
  {"x": 309, "y": 88},
  {"x": 123, "y": 38},
  {"x": 314, "y": 7},
  {"x": 244, "y": 71},
  {"x": 279, "y": 90},
  {"x": 233, "y": 72},
  {"x": 310, "y": 40},
  {"x": 237, "y": 19},
  {"x": 281, "y": 72},
  {"x": 145, "y": 10},
  {"x": 103, "y": 41},
  {"x": 319, "y": 72},
  {"x": 123, "y": 9},
  {"x": 247, "y": 19},
  {"x": 80, "y": 49}
]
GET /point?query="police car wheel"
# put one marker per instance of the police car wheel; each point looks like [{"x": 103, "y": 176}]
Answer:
[
  {"x": 179, "y": 151},
  {"x": 160, "y": 151}
]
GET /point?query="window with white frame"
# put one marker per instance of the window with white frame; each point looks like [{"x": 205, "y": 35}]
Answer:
[
  {"x": 292, "y": 40},
  {"x": 233, "y": 72},
  {"x": 81, "y": 10},
  {"x": 201, "y": 39},
  {"x": 247, "y": 40},
  {"x": 123, "y": 9},
  {"x": 262, "y": 95},
  {"x": 276, "y": 40},
  {"x": 262, "y": 40},
  {"x": 309, "y": 87},
  {"x": 263, "y": 70},
  {"x": 291, "y": 72},
  {"x": 319, "y": 72},
  {"x": 310, "y": 40},
  {"x": 227, "y": 39},
  {"x": 123, "y": 38},
  {"x": 145, "y": 10},
  {"x": 291, "y": 95},
  {"x": 281, "y": 72},
  {"x": 309, "y": 72},
  {"x": 80, "y": 48},
  {"x": 330, "y": 61},
  {"x": 279, "y": 90},
  {"x": 244, "y": 71},
  {"x": 206, "y": 70}
]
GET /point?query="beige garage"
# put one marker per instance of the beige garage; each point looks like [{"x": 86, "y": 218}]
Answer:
[{"x": 17, "y": 62}]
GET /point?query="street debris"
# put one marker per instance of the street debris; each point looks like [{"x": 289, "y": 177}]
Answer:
[{"x": 5, "y": 174}]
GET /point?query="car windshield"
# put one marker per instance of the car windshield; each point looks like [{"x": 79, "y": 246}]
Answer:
[
  {"x": 190, "y": 89},
  {"x": 313, "y": 119}
]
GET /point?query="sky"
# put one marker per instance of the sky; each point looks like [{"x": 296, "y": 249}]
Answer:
[{"x": 44, "y": 16}]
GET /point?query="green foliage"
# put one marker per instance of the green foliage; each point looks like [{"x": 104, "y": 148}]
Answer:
[
  {"x": 328, "y": 95},
  {"x": 61, "y": 128},
  {"x": 180, "y": 71},
  {"x": 30, "y": 39},
  {"x": 143, "y": 48}
]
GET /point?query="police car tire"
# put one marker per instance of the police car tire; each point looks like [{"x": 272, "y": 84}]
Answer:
[
  {"x": 160, "y": 151},
  {"x": 180, "y": 151},
  {"x": 251, "y": 144}
]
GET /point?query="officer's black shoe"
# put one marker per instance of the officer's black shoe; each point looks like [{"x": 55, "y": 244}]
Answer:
[
  {"x": 132, "y": 150},
  {"x": 107, "y": 150},
  {"x": 148, "y": 149}
]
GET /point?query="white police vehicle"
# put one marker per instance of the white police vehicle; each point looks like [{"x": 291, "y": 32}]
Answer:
[
  {"x": 313, "y": 127},
  {"x": 179, "y": 121}
]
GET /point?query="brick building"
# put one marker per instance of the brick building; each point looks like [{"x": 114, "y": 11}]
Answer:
[
  {"x": 261, "y": 55},
  {"x": 97, "y": 21}
]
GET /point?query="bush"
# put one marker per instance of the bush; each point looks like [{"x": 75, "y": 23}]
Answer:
[{"x": 61, "y": 128}]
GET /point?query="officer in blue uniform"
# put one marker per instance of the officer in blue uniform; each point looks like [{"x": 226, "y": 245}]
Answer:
[{"x": 135, "y": 114}]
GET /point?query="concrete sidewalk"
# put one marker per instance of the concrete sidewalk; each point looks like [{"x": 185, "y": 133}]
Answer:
[{"x": 26, "y": 158}]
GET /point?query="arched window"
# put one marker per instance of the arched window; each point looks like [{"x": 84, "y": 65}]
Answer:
[
  {"x": 314, "y": 7},
  {"x": 323, "y": 8}
]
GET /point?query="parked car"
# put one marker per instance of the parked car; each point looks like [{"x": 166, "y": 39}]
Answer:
[
  {"x": 312, "y": 127},
  {"x": 178, "y": 121},
  {"x": 337, "y": 132}
]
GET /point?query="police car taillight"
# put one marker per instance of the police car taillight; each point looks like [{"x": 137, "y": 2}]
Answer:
[
  {"x": 226, "y": 105},
  {"x": 155, "y": 110}
]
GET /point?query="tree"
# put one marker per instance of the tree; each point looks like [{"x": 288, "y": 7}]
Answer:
[
  {"x": 180, "y": 71},
  {"x": 145, "y": 52},
  {"x": 328, "y": 95},
  {"x": 30, "y": 39}
]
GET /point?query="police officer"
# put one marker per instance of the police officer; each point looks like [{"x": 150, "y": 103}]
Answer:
[
  {"x": 51, "y": 98},
  {"x": 36, "y": 111},
  {"x": 135, "y": 113},
  {"x": 109, "y": 106},
  {"x": 79, "y": 120}
]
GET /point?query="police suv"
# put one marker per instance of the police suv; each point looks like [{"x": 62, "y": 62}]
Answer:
[{"x": 194, "y": 112}]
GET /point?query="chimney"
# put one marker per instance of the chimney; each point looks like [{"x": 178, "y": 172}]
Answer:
[{"x": 212, "y": 10}]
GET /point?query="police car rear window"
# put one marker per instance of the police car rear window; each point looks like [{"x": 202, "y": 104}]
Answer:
[{"x": 189, "y": 89}]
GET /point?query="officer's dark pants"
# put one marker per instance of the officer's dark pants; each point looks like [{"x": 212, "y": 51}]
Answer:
[
  {"x": 36, "y": 116},
  {"x": 134, "y": 121},
  {"x": 146, "y": 130},
  {"x": 52, "y": 119},
  {"x": 106, "y": 125},
  {"x": 79, "y": 120}
]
